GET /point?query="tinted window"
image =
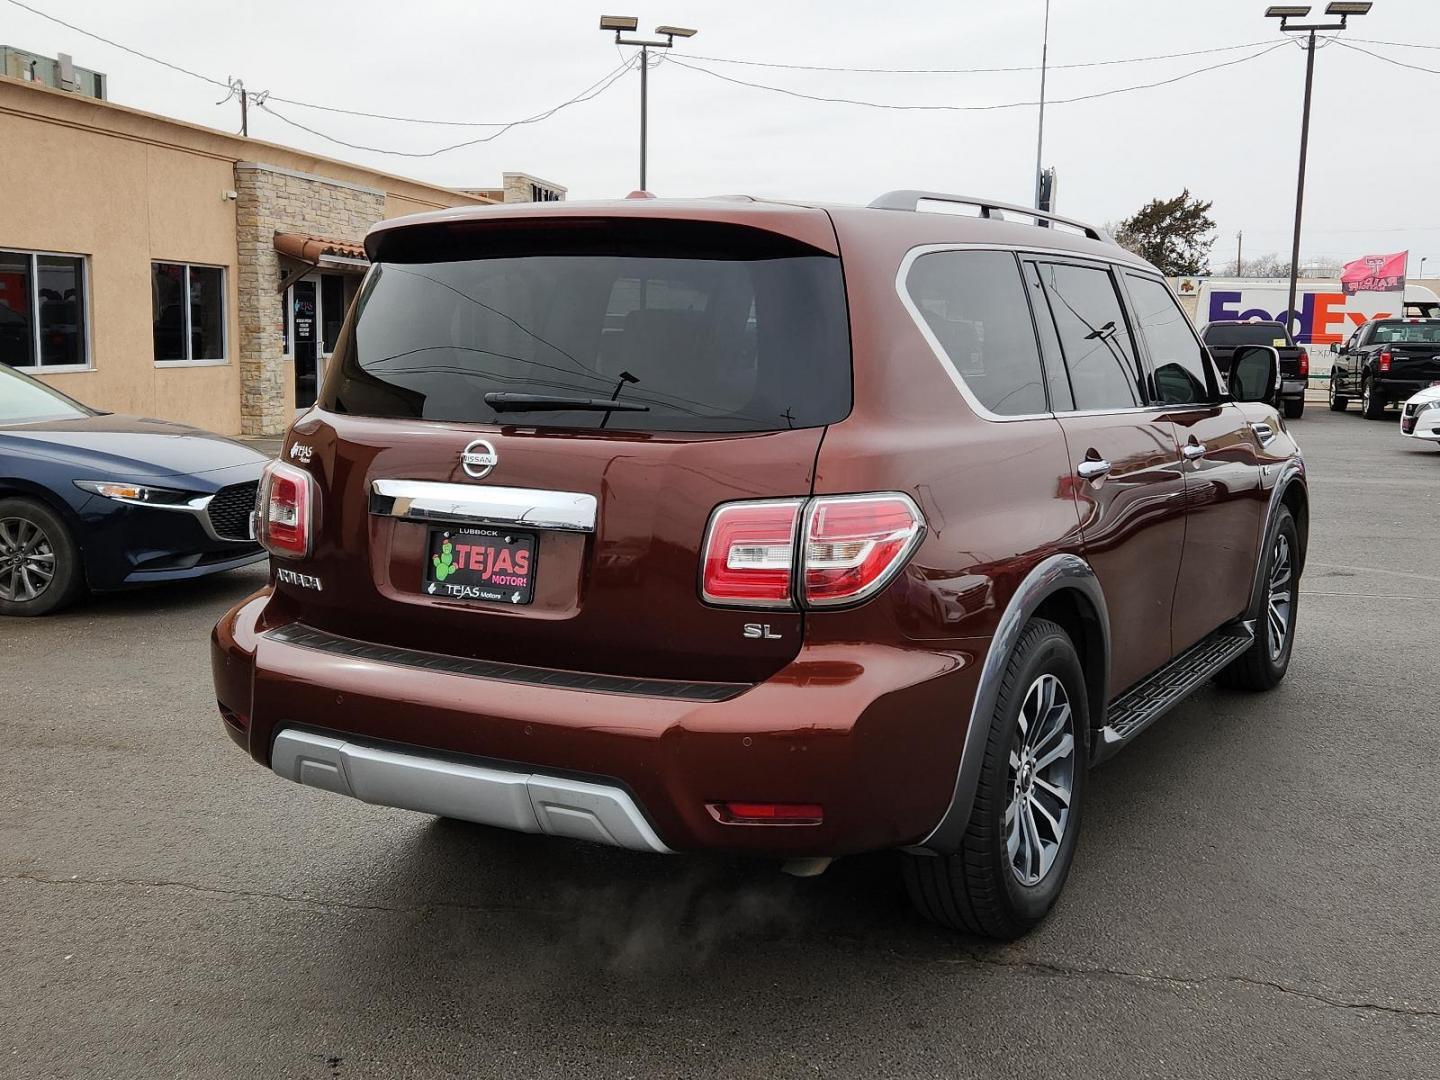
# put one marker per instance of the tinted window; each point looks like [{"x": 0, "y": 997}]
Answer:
[
  {"x": 1399, "y": 333},
  {"x": 207, "y": 313},
  {"x": 187, "y": 311},
  {"x": 1094, "y": 337},
  {"x": 1176, "y": 356},
  {"x": 1255, "y": 333},
  {"x": 714, "y": 343},
  {"x": 974, "y": 303}
]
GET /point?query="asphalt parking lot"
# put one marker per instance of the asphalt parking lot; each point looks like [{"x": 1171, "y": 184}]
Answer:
[{"x": 1255, "y": 892}]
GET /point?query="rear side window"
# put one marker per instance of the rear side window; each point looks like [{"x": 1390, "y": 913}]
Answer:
[
  {"x": 974, "y": 304},
  {"x": 1099, "y": 356},
  {"x": 740, "y": 336},
  {"x": 1175, "y": 354}
]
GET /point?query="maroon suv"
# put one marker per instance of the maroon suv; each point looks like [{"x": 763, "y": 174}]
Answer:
[{"x": 761, "y": 527}]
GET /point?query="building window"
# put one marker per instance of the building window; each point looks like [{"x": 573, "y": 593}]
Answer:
[
  {"x": 44, "y": 321},
  {"x": 188, "y": 305}
]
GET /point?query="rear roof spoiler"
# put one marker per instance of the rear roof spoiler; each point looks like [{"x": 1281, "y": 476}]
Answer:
[{"x": 989, "y": 208}]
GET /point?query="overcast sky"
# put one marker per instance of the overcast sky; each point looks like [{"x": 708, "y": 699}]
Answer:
[{"x": 1230, "y": 135}]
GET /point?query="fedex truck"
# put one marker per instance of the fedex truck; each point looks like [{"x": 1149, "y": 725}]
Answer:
[{"x": 1323, "y": 314}]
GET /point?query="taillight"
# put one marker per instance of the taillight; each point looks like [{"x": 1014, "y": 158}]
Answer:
[
  {"x": 749, "y": 554},
  {"x": 853, "y": 546},
  {"x": 1384, "y": 360},
  {"x": 283, "y": 511},
  {"x": 1304, "y": 363}
]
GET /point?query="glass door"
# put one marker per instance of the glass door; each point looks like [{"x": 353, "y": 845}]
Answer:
[{"x": 306, "y": 341}]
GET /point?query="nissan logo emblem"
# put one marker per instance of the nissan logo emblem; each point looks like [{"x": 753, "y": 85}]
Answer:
[{"x": 479, "y": 458}]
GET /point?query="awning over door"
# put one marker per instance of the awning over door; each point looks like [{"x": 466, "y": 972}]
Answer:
[{"x": 318, "y": 251}]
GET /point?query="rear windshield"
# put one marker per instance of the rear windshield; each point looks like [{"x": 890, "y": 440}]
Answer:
[
  {"x": 1265, "y": 333},
  {"x": 757, "y": 340},
  {"x": 1400, "y": 333}
]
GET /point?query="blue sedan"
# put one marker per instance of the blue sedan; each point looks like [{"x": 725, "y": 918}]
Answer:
[{"x": 94, "y": 501}]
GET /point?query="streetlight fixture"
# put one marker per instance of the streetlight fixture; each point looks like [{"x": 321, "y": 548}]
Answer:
[
  {"x": 628, "y": 24},
  {"x": 1285, "y": 12}
]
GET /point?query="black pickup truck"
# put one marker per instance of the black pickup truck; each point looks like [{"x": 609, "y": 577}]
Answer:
[
  {"x": 1385, "y": 362},
  {"x": 1225, "y": 336}
]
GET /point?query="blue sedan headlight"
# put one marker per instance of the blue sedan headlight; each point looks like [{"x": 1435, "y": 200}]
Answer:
[{"x": 144, "y": 494}]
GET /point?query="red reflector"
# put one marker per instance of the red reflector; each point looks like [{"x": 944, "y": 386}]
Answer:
[
  {"x": 855, "y": 543},
  {"x": 283, "y": 507},
  {"x": 748, "y": 813},
  {"x": 1385, "y": 360},
  {"x": 749, "y": 552}
]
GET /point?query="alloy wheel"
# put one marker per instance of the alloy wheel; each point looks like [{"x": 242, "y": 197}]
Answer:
[
  {"x": 1042, "y": 780},
  {"x": 1281, "y": 596},
  {"x": 27, "y": 560},
  {"x": 1365, "y": 398}
]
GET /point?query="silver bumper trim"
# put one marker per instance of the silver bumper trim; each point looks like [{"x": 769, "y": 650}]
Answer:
[
  {"x": 524, "y": 802},
  {"x": 428, "y": 500}
]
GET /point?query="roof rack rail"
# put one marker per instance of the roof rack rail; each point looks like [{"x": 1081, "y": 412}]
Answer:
[{"x": 911, "y": 200}]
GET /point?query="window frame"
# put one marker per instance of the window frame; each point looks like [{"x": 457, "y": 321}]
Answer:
[
  {"x": 1213, "y": 384},
  {"x": 34, "y": 255},
  {"x": 188, "y": 362},
  {"x": 1032, "y": 253},
  {"x": 1115, "y": 271}
]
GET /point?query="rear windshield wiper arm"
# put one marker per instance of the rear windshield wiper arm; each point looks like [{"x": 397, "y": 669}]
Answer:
[{"x": 507, "y": 402}]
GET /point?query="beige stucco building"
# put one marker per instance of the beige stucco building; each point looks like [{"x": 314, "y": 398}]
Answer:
[{"x": 156, "y": 267}]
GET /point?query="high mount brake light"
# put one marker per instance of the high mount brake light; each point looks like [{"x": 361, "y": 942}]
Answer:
[
  {"x": 853, "y": 546},
  {"x": 283, "y": 510}
]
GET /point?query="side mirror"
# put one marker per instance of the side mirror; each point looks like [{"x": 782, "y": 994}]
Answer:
[
  {"x": 1334, "y": 346},
  {"x": 1254, "y": 373}
]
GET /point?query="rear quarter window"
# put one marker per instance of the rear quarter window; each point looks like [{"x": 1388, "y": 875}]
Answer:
[{"x": 974, "y": 304}]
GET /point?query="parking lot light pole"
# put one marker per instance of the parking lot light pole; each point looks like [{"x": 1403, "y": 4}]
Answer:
[
  {"x": 1286, "y": 12},
  {"x": 627, "y": 24}
]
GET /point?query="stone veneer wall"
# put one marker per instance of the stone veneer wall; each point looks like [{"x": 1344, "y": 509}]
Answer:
[{"x": 280, "y": 200}]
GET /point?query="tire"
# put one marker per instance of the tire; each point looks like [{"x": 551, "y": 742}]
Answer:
[
  {"x": 33, "y": 541},
  {"x": 1263, "y": 665},
  {"x": 982, "y": 888},
  {"x": 1338, "y": 401},
  {"x": 1371, "y": 406},
  {"x": 1294, "y": 408}
]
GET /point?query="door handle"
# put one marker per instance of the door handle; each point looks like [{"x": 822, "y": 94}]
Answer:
[
  {"x": 1093, "y": 469},
  {"x": 1193, "y": 451}
]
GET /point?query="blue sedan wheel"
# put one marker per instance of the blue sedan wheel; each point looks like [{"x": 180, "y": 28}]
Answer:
[{"x": 39, "y": 569}]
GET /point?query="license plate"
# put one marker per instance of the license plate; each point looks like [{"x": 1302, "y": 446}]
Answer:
[{"x": 493, "y": 565}]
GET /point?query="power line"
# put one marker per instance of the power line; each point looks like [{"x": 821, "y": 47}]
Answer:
[
  {"x": 1396, "y": 44},
  {"x": 976, "y": 70},
  {"x": 593, "y": 91},
  {"x": 123, "y": 48},
  {"x": 974, "y": 108},
  {"x": 1389, "y": 59}
]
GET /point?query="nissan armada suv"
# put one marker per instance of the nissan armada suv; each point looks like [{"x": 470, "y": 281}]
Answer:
[{"x": 767, "y": 528}]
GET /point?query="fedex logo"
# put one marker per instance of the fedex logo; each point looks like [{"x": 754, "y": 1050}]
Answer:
[{"x": 1324, "y": 318}]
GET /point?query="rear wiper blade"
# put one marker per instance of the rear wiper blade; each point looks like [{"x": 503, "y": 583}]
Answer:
[{"x": 506, "y": 402}]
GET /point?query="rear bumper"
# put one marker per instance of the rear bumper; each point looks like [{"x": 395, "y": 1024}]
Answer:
[
  {"x": 871, "y": 733},
  {"x": 505, "y": 798},
  {"x": 1392, "y": 389},
  {"x": 1293, "y": 387}
]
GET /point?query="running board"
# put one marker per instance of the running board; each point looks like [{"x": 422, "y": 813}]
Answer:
[{"x": 1148, "y": 700}]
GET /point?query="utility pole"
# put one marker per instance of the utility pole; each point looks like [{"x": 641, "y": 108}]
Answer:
[
  {"x": 1239, "y": 250},
  {"x": 1040, "y": 134},
  {"x": 237, "y": 89},
  {"x": 1286, "y": 12},
  {"x": 623, "y": 24}
]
